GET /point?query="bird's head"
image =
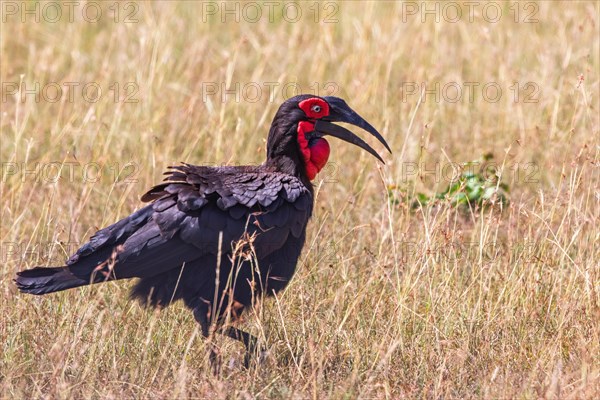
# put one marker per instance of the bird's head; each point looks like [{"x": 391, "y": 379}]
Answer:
[{"x": 296, "y": 142}]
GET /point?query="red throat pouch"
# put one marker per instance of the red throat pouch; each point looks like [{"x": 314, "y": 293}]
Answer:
[
  {"x": 319, "y": 153},
  {"x": 315, "y": 157}
]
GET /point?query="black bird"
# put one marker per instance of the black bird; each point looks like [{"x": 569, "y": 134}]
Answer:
[{"x": 217, "y": 237}]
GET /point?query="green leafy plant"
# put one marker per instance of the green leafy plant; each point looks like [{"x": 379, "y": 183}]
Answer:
[{"x": 478, "y": 185}]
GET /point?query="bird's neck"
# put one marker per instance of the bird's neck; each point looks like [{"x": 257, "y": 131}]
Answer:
[
  {"x": 289, "y": 165},
  {"x": 284, "y": 156}
]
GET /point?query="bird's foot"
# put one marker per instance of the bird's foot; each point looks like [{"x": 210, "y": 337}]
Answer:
[
  {"x": 257, "y": 357},
  {"x": 254, "y": 352}
]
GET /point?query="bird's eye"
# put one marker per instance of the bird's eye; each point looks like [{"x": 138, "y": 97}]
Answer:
[{"x": 316, "y": 108}]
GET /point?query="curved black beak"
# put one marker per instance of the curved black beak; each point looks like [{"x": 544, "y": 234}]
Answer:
[{"x": 340, "y": 112}]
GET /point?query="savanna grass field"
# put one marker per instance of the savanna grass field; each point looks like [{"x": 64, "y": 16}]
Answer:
[{"x": 467, "y": 266}]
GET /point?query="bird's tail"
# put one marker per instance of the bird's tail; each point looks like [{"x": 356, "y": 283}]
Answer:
[{"x": 42, "y": 280}]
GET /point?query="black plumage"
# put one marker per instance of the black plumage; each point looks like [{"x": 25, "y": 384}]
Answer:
[{"x": 216, "y": 237}]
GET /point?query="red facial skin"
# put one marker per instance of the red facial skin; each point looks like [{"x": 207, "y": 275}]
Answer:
[{"x": 314, "y": 156}]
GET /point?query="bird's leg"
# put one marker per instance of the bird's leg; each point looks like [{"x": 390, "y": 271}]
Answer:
[
  {"x": 201, "y": 316},
  {"x": 250, "y": 341}
]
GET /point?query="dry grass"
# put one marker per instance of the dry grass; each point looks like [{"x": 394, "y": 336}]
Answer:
[{"x": 381, "y": 307}]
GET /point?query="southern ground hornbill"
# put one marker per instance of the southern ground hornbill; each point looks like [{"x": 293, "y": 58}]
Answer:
[{"x": 217, "y": 237}]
